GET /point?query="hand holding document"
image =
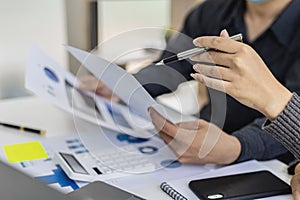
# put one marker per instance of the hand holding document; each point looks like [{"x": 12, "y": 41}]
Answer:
[
  {"x": 48, "y": 80},
  {"x": 123, "y": 84}
]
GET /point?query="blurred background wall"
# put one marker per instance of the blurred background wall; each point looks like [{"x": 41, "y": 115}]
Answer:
[
  {"x": 23, "y": 23},
  {"x": 51, "y": 23}
]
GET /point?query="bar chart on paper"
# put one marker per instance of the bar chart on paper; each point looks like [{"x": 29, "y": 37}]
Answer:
[{"x": 37, "y": 160}]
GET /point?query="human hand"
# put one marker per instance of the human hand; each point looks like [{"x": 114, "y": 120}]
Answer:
[
  {"x": 295, "y": 183},
  {"x": 241, "y": 73},
  {"x": 91, "y": 83},
  {"x": 197, "y": 142}
]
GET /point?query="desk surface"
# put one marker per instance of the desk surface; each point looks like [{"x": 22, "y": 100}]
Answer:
[{"x": 32, "y": 111}]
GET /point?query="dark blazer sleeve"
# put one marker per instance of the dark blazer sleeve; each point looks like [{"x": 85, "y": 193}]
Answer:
[
  {"x": 257, "y": 143},
  {"x": 158, "y": 80}
]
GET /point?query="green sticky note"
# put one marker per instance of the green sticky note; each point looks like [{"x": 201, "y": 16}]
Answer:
[{"x": 25, "y": 152}]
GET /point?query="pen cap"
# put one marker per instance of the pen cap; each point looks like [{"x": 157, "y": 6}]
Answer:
[{"x": 237, "y": 37}]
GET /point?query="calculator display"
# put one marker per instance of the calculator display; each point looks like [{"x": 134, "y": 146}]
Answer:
[{"x": 73, "y": 163}]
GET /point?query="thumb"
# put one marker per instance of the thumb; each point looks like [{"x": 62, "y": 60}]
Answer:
[
  {"x": 296, "y": 195},
  {"x": 224, "y": 33}
]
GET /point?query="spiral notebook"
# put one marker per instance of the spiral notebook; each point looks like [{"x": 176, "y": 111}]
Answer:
[
  {"x": 179, "y": 189},
  {"x": 171, "y": 191}
]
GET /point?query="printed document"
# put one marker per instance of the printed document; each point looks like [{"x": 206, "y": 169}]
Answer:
[
  {"x": 49, "y": 80},
  {"x": 53, "y": 83}
]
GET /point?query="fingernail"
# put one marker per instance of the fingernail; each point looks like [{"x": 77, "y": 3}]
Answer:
[
  {"x": 193, "y": 75},
  {"x": 195, "y": 42},
  {"x": 150, "y": 110},
  {"x": 224, "y": 33},
  {"x": 193, "y": 58},
  {"x": 197, "y": 67},
  {"x": 198, "y": 77}
]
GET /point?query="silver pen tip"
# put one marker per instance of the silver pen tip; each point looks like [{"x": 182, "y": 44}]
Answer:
[{"x": 160, "y": 63}]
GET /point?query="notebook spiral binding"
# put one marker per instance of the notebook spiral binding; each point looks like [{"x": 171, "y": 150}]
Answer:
[{"x": 171, "y": 191}]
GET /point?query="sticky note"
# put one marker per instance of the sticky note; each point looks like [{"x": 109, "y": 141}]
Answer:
[{"x": 25, "y": 151}]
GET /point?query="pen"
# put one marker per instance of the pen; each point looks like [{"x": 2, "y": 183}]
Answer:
[
  {"x": 192, "y": 52},
  {"x": 23, "y": 128}
]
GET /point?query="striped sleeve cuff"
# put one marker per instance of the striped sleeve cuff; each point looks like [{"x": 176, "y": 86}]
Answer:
[{"x": 286, "y": 127}]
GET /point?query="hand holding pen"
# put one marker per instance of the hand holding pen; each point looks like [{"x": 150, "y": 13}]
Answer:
[
  {"x": 192, "y": 52},
  {"x": 240, "y": 72}
]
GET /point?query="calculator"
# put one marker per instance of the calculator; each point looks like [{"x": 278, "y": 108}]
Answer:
[{"x": 108, "y": 164}]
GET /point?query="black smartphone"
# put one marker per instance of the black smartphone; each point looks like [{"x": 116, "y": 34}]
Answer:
[{"x": 240, "y": 186}]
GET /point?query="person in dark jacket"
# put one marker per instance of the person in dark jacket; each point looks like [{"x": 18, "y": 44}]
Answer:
[{"x": 269, "y": 28}]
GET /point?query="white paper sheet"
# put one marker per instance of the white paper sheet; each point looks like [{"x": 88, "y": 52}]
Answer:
[
  {"x": 48, "y": 80},
  {"x": 122, "y": 83},
  {"x": 46, "y": 169}
]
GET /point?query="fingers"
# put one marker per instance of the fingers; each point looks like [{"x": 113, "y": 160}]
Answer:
[
  {"x": 224, "y": 33},
  {"x": 89, "y": 82},
  {"x": 162, "y": 124},
  {"x": 87, "y": 86},
  {"x": 176, "y": 145},
  {"x": 224, "y": 44},
  {"x": 86, "y": 78},
  {"x": 192, "y": 125},
  {"x": 297, "y": 168},
  {"x": 213, "y": 83},
  {"x": 198, "y": 77},
  {"x": 214, "y": 71},
  {"x": 190, "y": 160},
  {"x": 168, "y": 139},
  {"x": 103, "y": 91},
  {"x": 296, "y": 195},
  {"x": 295, "y": 186},
  {"x": 214, "y": 57}
]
